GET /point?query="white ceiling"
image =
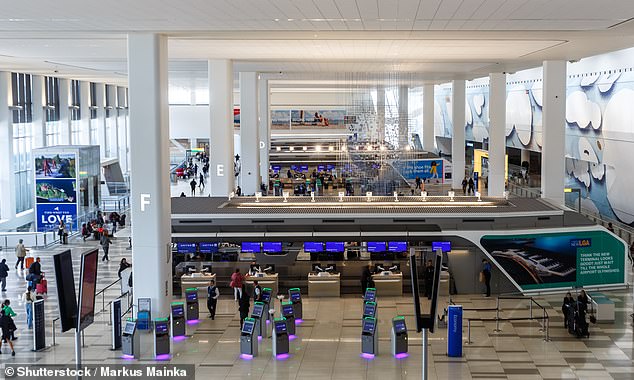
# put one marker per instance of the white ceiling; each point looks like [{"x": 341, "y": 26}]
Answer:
[{"x": 438, "y": 39}]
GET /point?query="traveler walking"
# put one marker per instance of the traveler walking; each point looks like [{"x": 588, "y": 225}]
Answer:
[
  {"x": 29, "y": 297},
  {"x": 8, "y": 327},
  {"x": 105, "y": 244},
  {"x": 20, "y": 253},
  {"x": 212, "y": 299},
  {"x": 192, "y": 184},
  {"x": 236, "y": 283},
  {"x": 486, "y": 273},
  {"x": 243, "y": 306},
  {"x": 366, "y": 277}
]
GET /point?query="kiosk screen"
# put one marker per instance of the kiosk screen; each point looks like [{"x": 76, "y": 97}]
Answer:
[
  {"x": 272, "y": 247},
  {"x": 178, "y": 310},
  {"x": 370, "y": 295},
  {"x": 397, "y": 246},
  {"x": 192, "y": 296},
  {"x": 335, "y": 246},
  {"x": 376, "y": 246},
  {"x": 368, "y": 326},
  {"x": 313, "y": 247},
  {"x": 208, "y": 247},
  {"x": 266, "y": 295},
  {"x": 287, "y": 310},
  {"x": 399, "y": 326},
  {"x": 257, "y": 310},
  {"x": 247, "y": 326},
  {"x": 160, "y": 327},
  {"x": 369, "y": 309},
  {"x": 280, "y": 327},
  {"x": 129, "y": 328},
  {"x": 296, "y": 296}
]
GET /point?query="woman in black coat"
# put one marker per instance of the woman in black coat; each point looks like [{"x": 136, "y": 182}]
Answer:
[{"x": 243, "y": 305}]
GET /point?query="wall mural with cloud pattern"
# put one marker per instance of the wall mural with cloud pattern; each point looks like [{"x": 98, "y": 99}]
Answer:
[{"x": 599, "y": 132}]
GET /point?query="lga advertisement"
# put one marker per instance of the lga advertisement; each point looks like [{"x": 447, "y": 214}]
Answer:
[
  {"x": 55, "y": 191},
  {"x": 423, "y": 169},
  {"x": 54, "y": 166},
  {"x": 50, "y": 214},
  {"x": 559, "y": 260},
  {"x": 308, "y": 119}
]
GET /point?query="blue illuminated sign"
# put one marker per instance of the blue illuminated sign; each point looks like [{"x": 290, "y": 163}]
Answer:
[{"x": 49, "y": 215}]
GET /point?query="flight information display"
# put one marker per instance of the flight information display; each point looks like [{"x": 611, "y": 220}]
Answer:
[
  {"x": 250, "y": 247},
  {"x": 376, "y": 246},
  {"x": 445, "y": 246},
  {"x": 397, "y": 246},
  {"x": 313, "y": 247},
  {"x": 335, "y": 246},
  {"x": 186, "y": 247},
  {"x": 272, "y": 247},
  {"x": 303, "y": 168},
  {"x": 208, "y": 247}
]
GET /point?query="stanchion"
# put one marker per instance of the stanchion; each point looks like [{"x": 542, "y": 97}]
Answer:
[
  {"x": 425, "y": 354},
  {"x": 497, "y": 316},
  {"x": 469, "y": 332}
]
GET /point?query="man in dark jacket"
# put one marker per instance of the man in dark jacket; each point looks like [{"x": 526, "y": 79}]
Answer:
[
  {"x": 366, "y": 278},
  {"x": 35, "y": 271},
  {"x": 4, "y": 273},
  {"x": 243, "y": 306}
]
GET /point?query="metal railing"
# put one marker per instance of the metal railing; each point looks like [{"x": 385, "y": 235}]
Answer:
[
  {"x": 103, "y": 294},
  {"x": 523, "y": 192}
]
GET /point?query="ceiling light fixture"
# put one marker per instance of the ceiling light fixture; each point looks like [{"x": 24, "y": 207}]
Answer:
[{"x": 278, "y": 148}]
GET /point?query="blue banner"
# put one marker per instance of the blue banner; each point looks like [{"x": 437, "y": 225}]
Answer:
[
  {"x": 454, "y": 331},
  {"x": 49, "y": 216},
  {"x": 424, "y": 169}
]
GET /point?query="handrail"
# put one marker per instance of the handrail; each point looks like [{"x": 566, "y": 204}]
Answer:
[
  {"x": 545, "y": 321},
  {"x": 102, "y": 292}
]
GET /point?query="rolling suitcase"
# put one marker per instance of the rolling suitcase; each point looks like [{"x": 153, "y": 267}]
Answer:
[
  {"x": 42, "y": 287},
  {"x": 28, "y": 261}
]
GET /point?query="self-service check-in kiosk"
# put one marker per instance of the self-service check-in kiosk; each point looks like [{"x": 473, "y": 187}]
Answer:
[
  {"x": 178, "y": 319},
  {"x": 369, "y": 337},
  {"x": 191, "y": 300},
  {"x": 369, "y": 309},
  {"x": 130, "y": 340},
  {"x": 267, "y": 293},
  {"x": 280, "y": 337},
  {"x": 296, "y": 298},
  {"x": 248, "y": 340},
  {"x": 259, "y": 317},
  {"x": 161, "y": 337},
  {"x": 399, "y": 336},
  {"x": 287, "y": 313},
  {"x": 370, "y": 295}
]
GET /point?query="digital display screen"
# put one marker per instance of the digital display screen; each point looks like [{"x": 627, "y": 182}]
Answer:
[
  {"x": 272, "y": 247},
  {"x": 129, "y": 327},
  {"x": 276, "y": 168},
  {"x": 280, "y": 327},
  {"x": 87, "y": 288},
  {"x": 296, "y": 296},
  {"x": 178, "y": 310},
  {"x": 160, "y": 327},
  {"x": 257, "y": 310},
  {"x": 247, "y": 326},
  {"x": 313, "y": 247},
  {"x": 368, "y": 326},
  {"x": 321, "y": 167},
  {"x": 397, "y": 246},
  {"x": 376, "y": 246},
  {"x": 287, "y": 310},
  {"x": 266, "y": 295},
  {"x": 250, "y": 247},
  {"x": 399, "y": 326},
  {"x": 303, "y": 168},
  {"x": 370, "y": 295},
  {"x": 186, "y": 247},
  {"x": 335, "y": 246},
  {"x": 192, "y": 296},
  {"x": 208, "y": 247},
  {"x": 369, "y": 309},
  {"x": 294, "y": 168},
  {"x": 330, "y": 167},
  {"x": 445, "y": 246}
]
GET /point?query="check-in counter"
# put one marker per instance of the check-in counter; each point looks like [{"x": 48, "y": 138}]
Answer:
[
  {"x": 388, "y": 283},
  {"x": 265, "y": 280},
  {"x": 324, "y": 284},
  {"x": 603, "y": 307},
  {"x": 197, "y": 280}
]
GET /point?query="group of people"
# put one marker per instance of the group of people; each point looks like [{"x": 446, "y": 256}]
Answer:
[
  {"x": 468, "y": 186},
  {"x": 575, "y": 313}
]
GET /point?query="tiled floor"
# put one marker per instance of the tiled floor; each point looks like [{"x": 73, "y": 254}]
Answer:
[{"x": 328, "y": 341}]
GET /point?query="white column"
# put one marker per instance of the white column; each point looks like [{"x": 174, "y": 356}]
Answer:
[
  {"x": 265, "y": 129},
  {"x": 39, "y": 118},
  {"x": 554, "y": 137},
  {"x": 458, "y": 140},
  {"x": 64, "y": 112},
  {"x": 429, "y": 138},
  {"x": 221, "y": 115},
  {"x": 380, "y": 113},
  {"x": 249, "y": 136},
  {"x": 149, "y": 184},
  {"x": 113, "y": 138},
  {"x": 100, "y": 100},
  {"x": 497, "y": 136},
  {"x": 403, "y": 116},
  {"x": 7, "y": 175},
  {"x": 84, "y": 104}
]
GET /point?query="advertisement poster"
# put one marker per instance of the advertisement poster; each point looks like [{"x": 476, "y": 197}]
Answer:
[
  {"x": 556, "y": 260},
  {"x": 308, "y": 119},
  {"x": 49, "y": 215},
  {"x": 55, "y": 191},
  {"x": 424, "y": 169},
  {"x": 61, "y": 165}
]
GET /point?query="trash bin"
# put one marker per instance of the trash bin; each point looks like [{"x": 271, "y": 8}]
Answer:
[{"x": 454, "y": 331}]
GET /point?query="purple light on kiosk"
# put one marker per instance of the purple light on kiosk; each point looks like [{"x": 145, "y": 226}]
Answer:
[
  {"x": 292, "y": 337},
  {"x": 246, "y": 357},
  {"x": 163, "y": 357},
  {"x": 127, "y": 357},
  {"x": 268, "y": 322},
  {"x": 402, "y": 355},
  {"x": 259, "y": 338},
  {"x": 193, "y": 322},
  {"x": 299, "y": 321},
  {"x": 179, "y": 338},
  {"x": 367, "y": 356},
  {"x": 282, "y": 356}
]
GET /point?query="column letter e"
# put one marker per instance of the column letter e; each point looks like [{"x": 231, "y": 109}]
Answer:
[{"x": 220, "y": 170}]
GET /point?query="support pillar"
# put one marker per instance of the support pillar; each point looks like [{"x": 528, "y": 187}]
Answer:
[
  {"x": 221, "y": 118},
  {"x": 429, "y": 138},
  {"x": 403, "y": 116},
  {"x": 113, "y": 135},
  {"x": 554, "y": 138},
  {"x": 39, "y": 118},
  {"x": 380, "y": 113},
  {"x": 497, "y": 136},
  {"x": 84, "y": 104},
  {"x": 458, "y": 139},
  {"x": 149, "y": 186},
  {"x": 7, "y": 175},
  {"x": 249, "y": 139},
  {"x": 64, "y": 112},
  {"x": 265, "y": 129},
  {"x": 100, "y": 103}
]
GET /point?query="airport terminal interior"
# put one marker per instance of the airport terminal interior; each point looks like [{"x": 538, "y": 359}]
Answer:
[{"x": 274, "y": 189}]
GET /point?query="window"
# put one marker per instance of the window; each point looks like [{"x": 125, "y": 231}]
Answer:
[
  {"x": 75, "y": 110},
  {"x": 52, "y": 98},
  {"x": 93, "y": 100},
  {"x": 22, "y": 146},
  {"x": 22, "y": 98}
]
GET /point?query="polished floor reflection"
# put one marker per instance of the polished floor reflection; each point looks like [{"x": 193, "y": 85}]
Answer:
[{"x": 327, "y": 345}]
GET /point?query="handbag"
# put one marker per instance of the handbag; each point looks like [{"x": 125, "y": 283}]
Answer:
[{"x": 481, "y": 276}]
